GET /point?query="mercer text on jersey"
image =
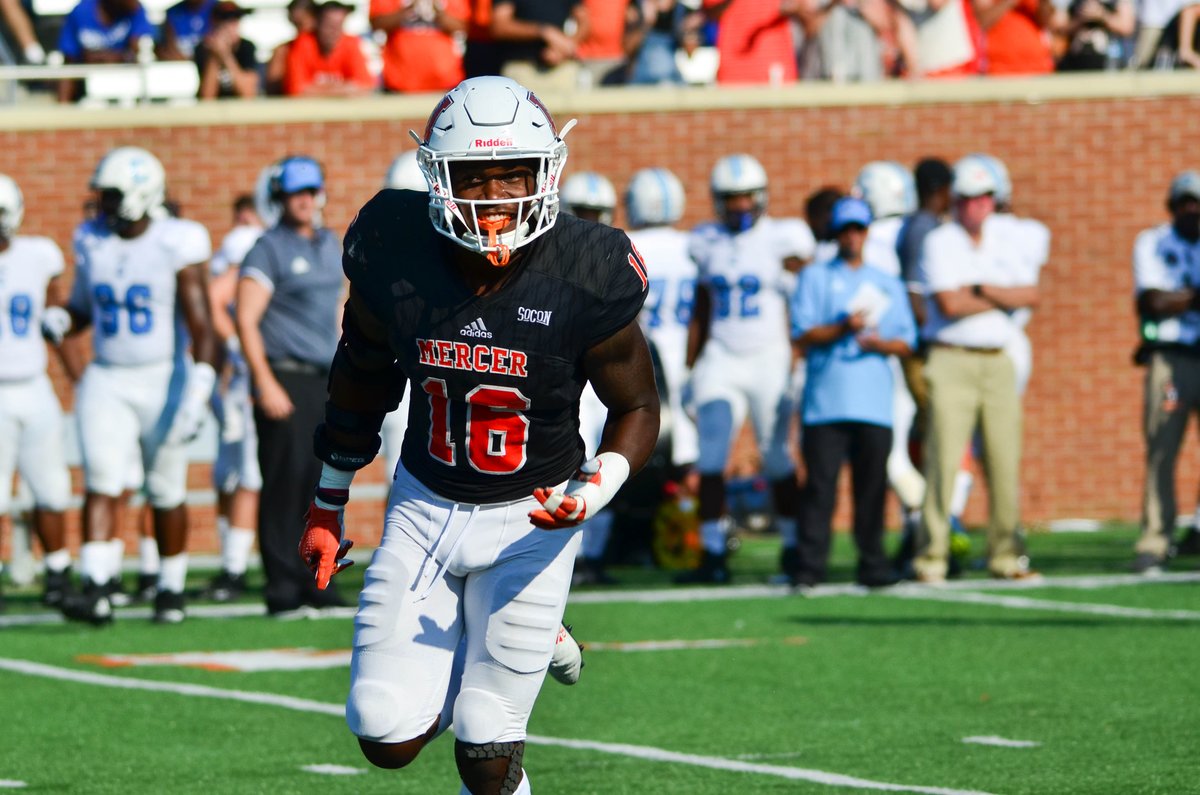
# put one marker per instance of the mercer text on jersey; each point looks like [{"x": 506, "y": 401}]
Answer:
[{"x": 476, "y": 358}]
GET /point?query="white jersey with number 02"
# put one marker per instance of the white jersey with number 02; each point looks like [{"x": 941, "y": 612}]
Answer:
[
  {"x": 26, "y": 267},
  {"x": 745, "y": 274},
  {"x": 128, "y": 287}
]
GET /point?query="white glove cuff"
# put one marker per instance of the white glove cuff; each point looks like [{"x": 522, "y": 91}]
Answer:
[
  {"x": 56, "y": 322},
  {"x": 614, "y": 471},
  {"x": 201, "y": 380}
]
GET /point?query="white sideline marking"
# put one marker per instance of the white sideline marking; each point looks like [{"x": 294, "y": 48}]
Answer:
[
  {"x": 718, "y": 763},
  {"x": 1028, "y": 603},
  {"x": 620, "y": 749},
  {"x": 333, "y": 770},
  {"x": 1000, "y": 742},
  {"x": 702, "y": 594},
  {"x": 180, "y": 688},
  {"x": 8, "y": 783}
]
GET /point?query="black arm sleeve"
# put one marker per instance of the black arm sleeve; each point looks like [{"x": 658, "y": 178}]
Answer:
[{"x": 365, "y": 383}]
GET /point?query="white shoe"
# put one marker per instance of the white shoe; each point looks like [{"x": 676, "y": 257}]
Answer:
[{"x": 567, "y": 661}]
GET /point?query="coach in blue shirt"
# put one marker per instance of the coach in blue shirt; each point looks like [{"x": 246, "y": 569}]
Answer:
[{"x": 847, "y": 317}]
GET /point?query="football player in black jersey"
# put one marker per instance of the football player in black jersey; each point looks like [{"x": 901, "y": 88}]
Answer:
[{"x": 495, "y": 315}]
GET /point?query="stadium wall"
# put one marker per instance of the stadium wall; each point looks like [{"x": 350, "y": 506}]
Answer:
[{"x": 1091, "y": 157}]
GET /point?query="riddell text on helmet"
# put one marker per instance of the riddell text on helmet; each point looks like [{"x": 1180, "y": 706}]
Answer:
[{"x": 493, "y": 142}]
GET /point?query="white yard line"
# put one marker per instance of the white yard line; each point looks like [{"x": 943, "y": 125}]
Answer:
[
  {"x": 648, "y": 753},
  {"x": 1028, "y": 603},
  {"x": 333, "y": 770},
  {"x": 944, "y": 592},
  {"x": 1000, "y": 742}
]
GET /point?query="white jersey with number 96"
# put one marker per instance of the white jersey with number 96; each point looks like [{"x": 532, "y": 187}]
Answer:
[{"x": 127, "y": 287}]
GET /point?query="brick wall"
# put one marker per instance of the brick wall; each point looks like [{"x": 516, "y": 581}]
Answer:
[{"x": 1091, "y": 158}]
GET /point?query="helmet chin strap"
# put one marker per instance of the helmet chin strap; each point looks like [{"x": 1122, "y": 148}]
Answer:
[{"x": 502, "y": 253}]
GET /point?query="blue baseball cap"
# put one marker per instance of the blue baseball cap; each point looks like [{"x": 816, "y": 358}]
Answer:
[
  {"x": 849, "y": 210},
  {"x": 300, "y": 173}
]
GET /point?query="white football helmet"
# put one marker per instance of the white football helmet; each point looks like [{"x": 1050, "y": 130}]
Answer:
[
  {"x": 733, "y": 175},
  {"x": 999, "y": 171},
  {"x": 405, "y": 173},
  {"x": 888, "y": 187},
  {"x": 492, "y": 119},
  {"x": 12, "y": 207},
  {"x": 137, "y": 176},
  {"x": 588, "y": 190},
  {"x": 654, "y": 198},
  {"x": 267, "y": 208}
]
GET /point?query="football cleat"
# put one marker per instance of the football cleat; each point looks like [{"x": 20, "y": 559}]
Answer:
[
  {"x": 713, "y": 570},
  {"x": 567, "y": 661},
  {"x": 114, "y": 589},
  {"x": 168, "y": 607},
  {"x": 147, "y": 588},
  {"x": 92, "y": 604},
  {"x": 226, "y": 587},
  {"x": 55, "y": 586}
]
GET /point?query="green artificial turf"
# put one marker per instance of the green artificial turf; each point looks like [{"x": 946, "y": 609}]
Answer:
[{"x": 870, "y": 686}]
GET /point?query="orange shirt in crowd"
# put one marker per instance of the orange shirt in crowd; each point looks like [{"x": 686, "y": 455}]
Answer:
[
  {"x": 754, "y": 40},
  {"x": 1017, "y": 45},
  {"x": 306, "y": 65},
  {"x": 421, "y": 56},
  {"x": 480, "y": 26},
  {"x": 606, "y": 20}
]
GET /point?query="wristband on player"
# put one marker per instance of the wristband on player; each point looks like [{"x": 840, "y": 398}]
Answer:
[
  {"x": 584, "y": 496},
  {"x": 333, "y": 489}
]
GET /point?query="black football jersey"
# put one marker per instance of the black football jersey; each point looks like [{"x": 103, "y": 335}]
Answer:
[{"x": 495, "y": 380}]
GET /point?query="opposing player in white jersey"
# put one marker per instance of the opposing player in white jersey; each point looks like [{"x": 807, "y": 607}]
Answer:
[
  {"x": 654, "y": 202},
  {"x": 140, "y": 283},
  {"x": 31, "y": 420},
  {"x": 738, "y": 347},
  {"x": 889, "y": 189},
  {"x": 591, "y": 196},
  {"x": 236, "y": 475}
]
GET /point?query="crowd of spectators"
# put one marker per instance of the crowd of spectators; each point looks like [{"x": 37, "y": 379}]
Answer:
[{"x": 430, "y": 45}]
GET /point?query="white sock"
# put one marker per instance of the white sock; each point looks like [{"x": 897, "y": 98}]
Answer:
[
  {"x": 712, "y": 536},
  {"x": 116, "y": 557},
  {"x": 222, "y": 529},
  {"x": 58, "y": 560},
  {"x": 235, "y": 550},
  {"x": 787, "y": 532},
  {"x": 93, "y": 561},
  {"x": 596, "y": 532},
  {"x": 962, "y": 491},
  {"x": 173, "y": 574},
  {"x": 148, "y": 562}
]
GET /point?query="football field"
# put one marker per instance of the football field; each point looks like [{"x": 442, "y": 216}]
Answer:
[{"x": 1085, "y": 683}]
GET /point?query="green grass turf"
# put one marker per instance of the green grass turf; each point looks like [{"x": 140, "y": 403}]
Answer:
[{"x": 879, "y": 688}]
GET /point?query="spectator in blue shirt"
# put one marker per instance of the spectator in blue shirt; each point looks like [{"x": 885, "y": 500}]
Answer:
[
  {"x": 847, "y": 318},
  {"x": 101, "y": 31},
  {"x": 186, "y": 24}
]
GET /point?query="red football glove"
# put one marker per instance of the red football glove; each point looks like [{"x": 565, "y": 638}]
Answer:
[
  {"x": 586, "y": 493},
  {"x": 322, "y": 547}
]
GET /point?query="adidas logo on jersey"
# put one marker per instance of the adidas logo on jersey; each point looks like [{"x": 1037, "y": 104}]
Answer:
[{"x": 475, "y": 329}]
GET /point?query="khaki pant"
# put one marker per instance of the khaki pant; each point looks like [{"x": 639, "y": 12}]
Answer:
[
  {"x": 969, "y": 389},
  {"x": 562, "y": 79},
  {"x": 1172, "y": 395},
  {"x": 1144, "y": 46}
]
